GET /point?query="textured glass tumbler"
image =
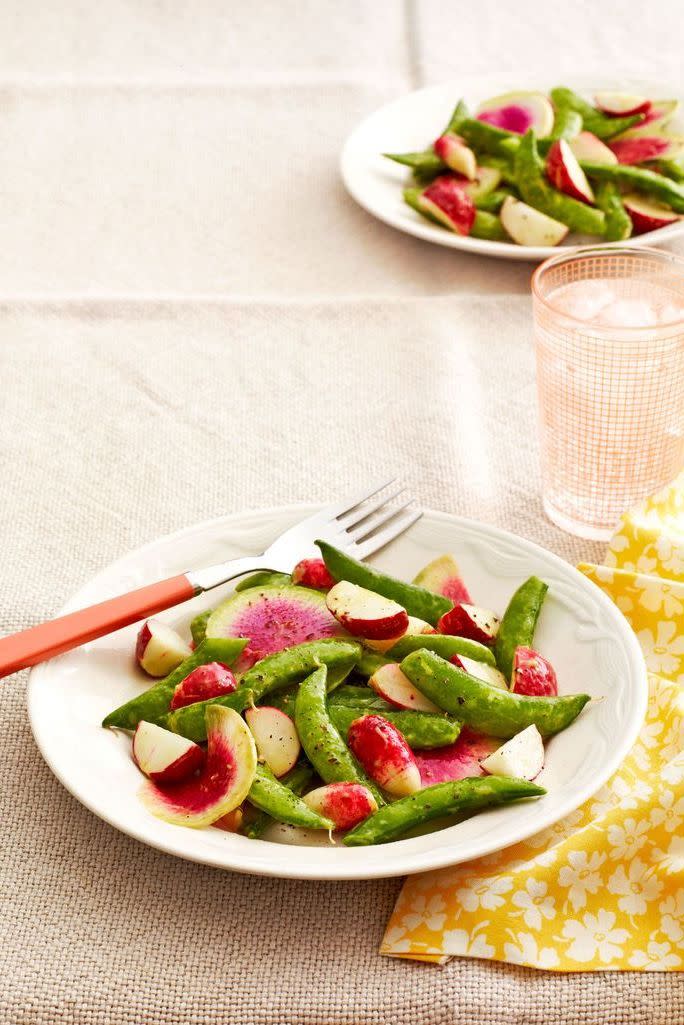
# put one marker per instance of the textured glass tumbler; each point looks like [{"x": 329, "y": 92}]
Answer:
[{"x": 611, "y": 399}]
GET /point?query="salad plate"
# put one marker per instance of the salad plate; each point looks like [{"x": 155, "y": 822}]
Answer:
[
  {"x": 417, "y": 119},
  {"x": 580, "y": 630}
]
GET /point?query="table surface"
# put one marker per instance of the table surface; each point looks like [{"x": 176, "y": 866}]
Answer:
[{"x": 196, "y": 319}]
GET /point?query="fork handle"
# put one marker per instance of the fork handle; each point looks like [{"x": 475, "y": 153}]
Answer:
[{"x": 18, "y": 651}]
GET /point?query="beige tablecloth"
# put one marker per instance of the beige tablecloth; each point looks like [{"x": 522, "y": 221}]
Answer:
[{"x": 194, "y": 320}]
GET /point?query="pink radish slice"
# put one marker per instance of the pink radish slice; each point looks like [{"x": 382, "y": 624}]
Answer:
[
  {"x": 312, "y": 573},
  {"x": 159, "y": 649},
  {"x": 366, "y": 614},
  {"x": 163, "y": 756},
  {"x": 207, "y": 681},
  {"x": 275, "y": 737},
  {"x": 384, "y": 754},
  {"x": 345, "y": 804},
  {"x": 470, "y": 621},
  {"x": 456, "y": 761},
  {"x": 533, "y": 674},
  {"x": 394, "y": 686}
]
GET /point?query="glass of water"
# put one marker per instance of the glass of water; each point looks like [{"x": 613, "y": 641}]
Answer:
[{"x": 609, "y": 338}]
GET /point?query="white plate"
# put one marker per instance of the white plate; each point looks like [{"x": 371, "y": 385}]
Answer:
[
  {"x": 580, "y": 630},
  {"x": 415, "y": 120}
]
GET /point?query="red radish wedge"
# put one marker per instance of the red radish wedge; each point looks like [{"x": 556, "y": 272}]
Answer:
[
  {"x": 163, "y": 756},
  {"x": 384, "y": 754},
  {"x": 223, "y": 783},
  {"x": 415, "y": 628},
  {"x": 456, "y": 761},
  {"x": 366, "y": 614},
  {"x": 646, "y": 214},
  {"x": 533, "y": 674},
  {"x": 345, "y": 804},
  {"x": 621, "y": 104},
  {"x": 456, "y": 155},
  {"x": 231, "y": 822},
  {"x": 159, "y": 649},
  {"x": 275, "y": 737},
  {"x": 564, "y": 172},
  {"x": 530, "y": 227},
  {"x": 655, "y": 120},
  {"x": 646, "y": 147},
  {"x": 447, "y": 200},
  {"x": 312, "y": 573},
  {"x": 391, "y": 684},
  {"x": 207, "y": 681},
  {"x": 589, "y": 148},
  {"x": 522, "y": 756},
  {"x": 470, "y": 621},
  {"x": 518, "y": 111},
  {"x": 443, "y": 576},
  {"x": 480, "y": 670}
]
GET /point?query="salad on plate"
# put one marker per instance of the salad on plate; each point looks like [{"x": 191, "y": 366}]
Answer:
[
  {"x": 530, "y": 168},
  {"x": 339, "y": 703}
]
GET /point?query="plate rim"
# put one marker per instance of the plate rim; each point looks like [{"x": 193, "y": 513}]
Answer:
[
  {"x": 483, "y": 247},
  {"x": 421, "y": 861}
]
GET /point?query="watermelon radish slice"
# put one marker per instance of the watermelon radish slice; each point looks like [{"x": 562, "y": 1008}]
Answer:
[
  {"x": 646, "y": 147},
  {"x": 518, "y": 111},
  {"x": 443, "y": 576},
  {"x": 457, "y": 760},
  {"x": 273, "y": 618}
]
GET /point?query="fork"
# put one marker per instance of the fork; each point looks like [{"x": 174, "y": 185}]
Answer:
[{"x": 355, "y": 524}]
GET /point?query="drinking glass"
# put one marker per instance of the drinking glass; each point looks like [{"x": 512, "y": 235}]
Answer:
[{"x": 609, "y": 340}]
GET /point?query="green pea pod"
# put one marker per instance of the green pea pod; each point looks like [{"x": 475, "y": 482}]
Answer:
[
  {"x": 536, "y": 192},
  {"x": 273, "y": 673},
  {"x": 486, "y": 138},
  {"x": 593, "y": 120},
  {"x": 671, "y": 169},
  {"x": 416, "y": 600},
  {"x": 369, "y": 663},
  {"x": 357, "y": 696},
  {"x": 264, "y": 578},
  {"x": 453, "y": 798},
  {"x": 321, "y": 740},
  {"x": 503, "y": 164},
  {"x": 412, "y": 199},
  {"x": 444, "y": 644},
  {"x": 282, "y": 804},
  {"x": 284, "y": 700},
  {"x": 458, "y": 116},
  {"x": 296, "y": 780},
  {"x": 426, "y": 161},
  {"x": 490, "y": 710},
  {"x": 493, "y": 201},
  {"x": 618, "y": 221},
  {"x": 519, "y": 622},
  {"x": 153, "y": 703},
  {"x": 419, "y": 729},
  {"x": 649, "y": 182},
  {"x": 567, "y": 123},
  {"x": 488, "y": 226},
  {"x": 198, "y": 626}
]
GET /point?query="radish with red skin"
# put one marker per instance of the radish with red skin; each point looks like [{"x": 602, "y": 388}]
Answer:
[
  {"x": 212, "y": 680},
  {"x": 223, "y": 782},
  {"x": 312, "y": 573},
  {"x": 533, "y": 674},
  {"x": 364, "y": 613},
  {"x": 443, "y": 576},
  {"x": 163, "y": 756},
  {"x": 159, "y": 649},
  {"x": 480, "y": 670},
  {"x": 645, "y": 148},
  {"x": 447, "y": 201},
  {"x": 394, "y": 686},
  {"x": 456, "y": 155},
  {"x": 415, "y": 628},
  {"x": 275, "y": 737},
  {"x": 456, "y": 761},
  {"x": 589, "y": 149},
  {"x": 647, "y": 214},
  {"x": 518, "y": 111},
  {"x": 345, "y": 804},
  {"x": 564, "y": 172},
  {"x": 621, "y": 104},
  {"x": 530, "y": 227},
  {"x": 472, "y": 622},
  {"x": 384, "y": 754},
  {"x": 655, "y": 120},
  {"x": 521, "y": 757}
]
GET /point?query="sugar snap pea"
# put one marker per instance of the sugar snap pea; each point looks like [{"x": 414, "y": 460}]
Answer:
[
  {"x": 369, "y": 663},
  {"x": 283, "y": 699},
  {"x": 281, "y": 803},
  {"x": 487, "y": 226},
  {"x": 272, "y": 673},
  {"x": 518, "y": 622},
  {"x": 538, "y": 193},
  {"x": 264, "y": 578},
  {"x": 490, "y": 710},
  {"x": 357, "y": 696},
  {"x": 153, "y": 703},
  {"x": 296, "y": 780},
  {"x": 493, "y": 201},
  {"x": 503, "y": 164},
  {"x": 618, "y": 221},
  {"x": 671, "y": 169},
  {"x": 419, "y": 729},
  {"x": 412, "y": 199},
  {"x": 425, "y": 161},
  {"x": 567, "y": 122},
  {"x": 456, "y": 797},
  {"x": 198, "y": 626},
  {"x": 458, "y": 116},
  {"x": 593, "y": 120},
  {"x": 321, "y": 740},
  {"x": 444, "y": 644},
  {"x": 416, "y": 600},
  {"x": 486, "y": 138},
  {"x": 641, "y": 179}
]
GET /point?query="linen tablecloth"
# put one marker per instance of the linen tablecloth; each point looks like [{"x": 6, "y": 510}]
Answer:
[{"x": 195, "y": 319}]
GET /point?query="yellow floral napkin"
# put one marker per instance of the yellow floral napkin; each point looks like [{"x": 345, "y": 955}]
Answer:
[{"x": 604, "y": 888}]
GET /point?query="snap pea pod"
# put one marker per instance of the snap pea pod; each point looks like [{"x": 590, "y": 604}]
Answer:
[
  {"x": 493, "y": 201},
  {"x": 283, "y": 699},
  {"x": 486, "y": 138},
  {"x": 369, "y": 663},
  {"x": 411, "y": 198},
  {"x": 426, "y": 161},
  {"x": 458, "y": 116},
  {"x": 272, "y": 673},
  {"x": 567, "y": 122},
  {"x": 153, "y": 703},
  {"x": 504, "y": 165},
  {"x": 198, "y": 626},
  {"x": 490, "y": 710},
  {"x": 296, "y": 780},
  {"x": 264, "y": 578},
  {"x": 593, "y": 120},
  {"x": 641, "y": 179},
  {"x": 538, "y": 193},
  {"x": 487, "y": 226},
  {"x": 419, "y": 729},
  {"x": 456, "y": 797},
  {"x": 518, "y": 622},
  {"x": 444, "y": 644},
  {"x": 618, "y": 221},
  {"x": 416, "y": 600},
  {"x": 357, "y": 697},
  {"x": 282, "y": 804},
  {"x": 671, "y": 169},
  {"x": 321, "y": 740}
]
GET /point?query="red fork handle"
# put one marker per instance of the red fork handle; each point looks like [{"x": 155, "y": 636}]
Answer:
[{"x": 58, "y": 635}]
